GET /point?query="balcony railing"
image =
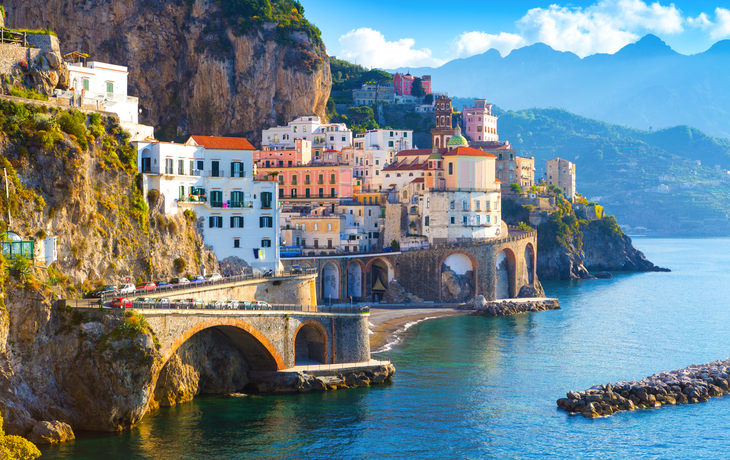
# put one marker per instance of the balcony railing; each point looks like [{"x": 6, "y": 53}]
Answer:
[
  {"x": 219, "y": 173},
  {"x": 320, "y": 182},
  {"x": 155, "y": 170},
  {"x": 238, "y": 174},
  {"x": 216, "y": 204},
  {"x": 332, "y": 182},
  {"x": 307, "y": 182},
  {"x": 193, "y": 199},
  {"x": 241, "y": 204}
]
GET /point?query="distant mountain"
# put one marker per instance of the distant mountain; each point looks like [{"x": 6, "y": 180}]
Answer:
[
  {"x": 672, "y": 182},
  {"x": 645, "y": 84}
]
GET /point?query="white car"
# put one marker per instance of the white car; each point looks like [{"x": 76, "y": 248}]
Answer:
[
  {"x": 215, "y": 276},
  {"x": 127, "y": 289},
  {"x": 183, "y": 280}
]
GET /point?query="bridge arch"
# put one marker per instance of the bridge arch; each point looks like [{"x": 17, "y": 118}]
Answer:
[
  {"x": 355, "y": 270},
  {"x": 259, "y": 352},
  {"x": 310, "y": 343},
  {"x": 330, "y": 280},
  {"x": 506, "y": 273},
  {"x": 465, "y": 267},
  {"x": 380, "y": 272}
]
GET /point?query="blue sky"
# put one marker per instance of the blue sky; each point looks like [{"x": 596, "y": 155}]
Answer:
[{"x": 391, "y": 34}]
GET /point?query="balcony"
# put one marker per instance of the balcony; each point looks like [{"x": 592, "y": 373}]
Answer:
[
  {"x": 194, "y": 199},
  {"x": 307, "y": 182},
  {"x": 240, "y": 204},
  {"x": 216, "y": 204},
  {"x": 320, "y": 182},
  {"x": 219, "y": 173},
  {"x": 151, "y": 170},
  {"x": 332, "y": 182},
  {"x": 238, "y": 174}
]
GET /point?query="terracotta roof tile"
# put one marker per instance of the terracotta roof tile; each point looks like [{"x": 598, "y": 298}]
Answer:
[
  {"x": 418, "y": 180},
  {"x": 469, "y": 152},
  {"x": 221, "y": 143}
]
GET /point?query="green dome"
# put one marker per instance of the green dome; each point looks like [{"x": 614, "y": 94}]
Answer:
[
  {"x": 435, "y": 156},
  {"x": 457, "y": 140}
]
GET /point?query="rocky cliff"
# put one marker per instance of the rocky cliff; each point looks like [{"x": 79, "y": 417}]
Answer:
[
  {"x": 570, "y": 247},
  {"x": 194, "y": 66}
]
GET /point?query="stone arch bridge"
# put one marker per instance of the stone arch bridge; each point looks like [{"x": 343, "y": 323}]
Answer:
[
  {"x": 269, "y": 340},
  {"x": 496, "y": 268}
]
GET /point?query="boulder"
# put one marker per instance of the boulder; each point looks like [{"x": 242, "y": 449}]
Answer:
[
  {"x": 51, "y": 433},
  {"x": 455, "y": 288},
  {"x": 603, "y": 275},
  {"x": 528, "y": 291},
  {"x": 395, "y": 293}
]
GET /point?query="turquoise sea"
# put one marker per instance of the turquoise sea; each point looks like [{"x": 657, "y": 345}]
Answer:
[{"x": 474, "y": 387}]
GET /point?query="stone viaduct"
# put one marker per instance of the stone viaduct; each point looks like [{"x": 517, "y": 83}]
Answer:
[
  {"x": 269, "y": 340},
  {"x": 495, "y": 268}
]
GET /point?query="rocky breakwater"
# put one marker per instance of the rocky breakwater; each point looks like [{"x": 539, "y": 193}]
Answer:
[
  {"x": 508, "y": 307},
  {"x": 696, "y": 383},
  {"x": 300, "y": 382}
]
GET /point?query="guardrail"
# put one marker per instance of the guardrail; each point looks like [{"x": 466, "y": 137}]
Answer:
[
  {"x": 243, "y": 305},
  {"x": 167, "y": 289}
]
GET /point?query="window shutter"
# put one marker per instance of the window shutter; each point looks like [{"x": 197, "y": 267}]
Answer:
[
  {"x": 210, "y": 221},
  {"x": 233, "y": 222}
]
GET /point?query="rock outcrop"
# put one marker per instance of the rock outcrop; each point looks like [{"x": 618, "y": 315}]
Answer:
[
  {"x": 613, "y": 252},
  {"x": 192, "y": 69},
  {"x": 299, "y": 382},
  {"x": 395, "y": 293},
  {"x": 51, "y": 433},
  {"x": 455, "y": 288}
]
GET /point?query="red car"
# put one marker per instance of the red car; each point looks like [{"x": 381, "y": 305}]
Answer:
[
  {"x": 148, "y": 286},
  {"x": 121, "y": 302}
]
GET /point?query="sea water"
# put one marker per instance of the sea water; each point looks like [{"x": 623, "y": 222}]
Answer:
[{"x": 476, "y": 387}]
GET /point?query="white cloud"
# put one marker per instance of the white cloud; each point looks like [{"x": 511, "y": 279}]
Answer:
[
  {"x": 721, "y": 27},
  {"x": 471, "y": 43},
  {"x": 702, "y": 21},
  {"x": 369, "y": 47},
  {"x": 604, "y": 27}
]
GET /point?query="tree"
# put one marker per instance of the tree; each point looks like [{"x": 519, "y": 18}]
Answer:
[
  {"x": 428, "y": 99},
  {"x": 516, "y": 188},
  {"x": 15, "y": 447},
  {"x": 376, "y": 75},
  {"x": 360, "y": 114},
  {"x": 417, "y": 88}
]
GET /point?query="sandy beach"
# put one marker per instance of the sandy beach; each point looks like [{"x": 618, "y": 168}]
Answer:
[{"x": 387, "y": 321}]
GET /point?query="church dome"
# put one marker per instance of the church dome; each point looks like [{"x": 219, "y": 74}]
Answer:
[
  {"x": 457, "y": 140},
  {"x": 435, "y": 156}
]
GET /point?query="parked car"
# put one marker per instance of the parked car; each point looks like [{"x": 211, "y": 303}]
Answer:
[
  {"x": 261, "y": 305},
  {"x": 127, "y": 289},
  {"x": 296, "y": 270},
  {"x": 198, "y": 279},
  {"x": 268, "y": 272},
  {"x": 215, "y": 276},
  {"x": 103, "y": 291},
  {"x": 162, "y": 283},
  {"x": 148, "y": 286},
  {"x": 121, "y": 302},
  {"x": 163, "y": 302},
  {"x": 183, "y": 280},
  {"x": 388, "y": 249},
  {"x": 245, "y": 305}
]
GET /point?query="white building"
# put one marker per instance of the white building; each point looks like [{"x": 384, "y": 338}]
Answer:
[
  {"x": 213, "y": 176},
  {"x": 368, "y": 167},
  {"x": 562, "y": 173},
  {"x": 391, "y": 141},
  {"x": 364, "y": 224},
  {"x": 105, "y": 84},
  {"x": 324, "y": 136}
]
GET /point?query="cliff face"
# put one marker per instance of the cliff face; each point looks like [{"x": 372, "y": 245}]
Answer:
[{"x": 192, "y": 71}]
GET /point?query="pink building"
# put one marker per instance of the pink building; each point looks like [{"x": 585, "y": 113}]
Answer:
[
  {"x": 301, "y": 154},
  {"x": 404, "y": 83},
  {"x": 481, "y": 125},
  {"x": 316, "y": 183}
]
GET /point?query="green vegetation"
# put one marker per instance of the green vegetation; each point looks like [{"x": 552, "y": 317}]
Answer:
[
  {"x": 29, "y": 31},
  {"x": 179, "y": 264},
  {"x": 516, "y": 188},
  {"x": 417, "y": 88},
  {"x": 17, "y": 91},
  {"x": 15, "y": 447},
  {"x": 395, "y": 245},
  {"x": 625, "y": 167}
]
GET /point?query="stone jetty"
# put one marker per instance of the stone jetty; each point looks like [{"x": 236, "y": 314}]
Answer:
[
  {"x": 696, "y": 383},
  {"x": 507, "y": 307}
]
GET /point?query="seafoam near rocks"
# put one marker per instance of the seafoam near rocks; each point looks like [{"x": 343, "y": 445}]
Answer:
[{"x": 696, "y": 383}]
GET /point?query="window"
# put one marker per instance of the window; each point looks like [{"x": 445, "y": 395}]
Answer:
[
  {"x": 453, "y": 220},
  {"x": 168, "y": 165},
  {"x": 452, "y": 205},
  {"x": 390, "y": 143},
  {"x": 295, "y": 128},
  {"x": 192, "y": 167},
  {"x": 464, "y": 220},
  {"x": 332, "y": 179},
  {"x": 86, "y": 84},
  {"x": 478, "y": 206},
  {"x": 200, "y": 165},
  {"x": 265, "y": 243},
  {"x": 237, "y": 169},
  {"x": 332, "y": 192},
  {"x": 237, "y": 200},
  {"x": 478, "y": 219},
  {"x": 236, "y": 243},
  {"x": 451, "y": 169},
  {"x": 266, "y": 199},
  {"x": 329, "y": 227},
  {"x": 215, "y": 222},
  {"x": 216, "y": 199},
  {"x": 316, "y": 227},
  {"x": 215, "y": 169},
  {"x": 306, "y": 193},
  {"x": 426, "y": 221},
  {"x": 343, "y": 138},
  {"x": 281, "y": 179},
  {"x": 266, "y": 222},
  {"x": 110, "y": 87},
  {"x": 236, "y": 221},
  {"x": 294, "y": 179},
  {"x": 464, "y": 205}
]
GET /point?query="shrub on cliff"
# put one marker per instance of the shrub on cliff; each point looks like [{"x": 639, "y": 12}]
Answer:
[
  {"x": 16, "y": 448},
  {"x": 179, "y": 264},
  {"x": 73, "y": 122}
]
